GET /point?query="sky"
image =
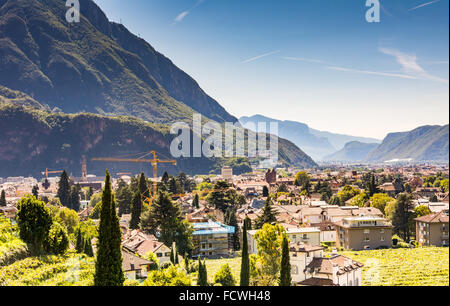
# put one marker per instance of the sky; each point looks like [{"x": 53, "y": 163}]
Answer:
[{"x": 318, "y": 62}]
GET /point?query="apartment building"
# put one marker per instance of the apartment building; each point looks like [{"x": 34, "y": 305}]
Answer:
[
  {"x": 364, "y": 233},
  {"x": 433, "y": 229},
  {"x": 212, "y": 240}
]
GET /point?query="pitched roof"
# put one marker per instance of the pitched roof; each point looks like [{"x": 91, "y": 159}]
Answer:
[
  {"x": 130, "y": 262},
  {"x": 440, "y": 217},
  {"x": 317, "y": 282}
]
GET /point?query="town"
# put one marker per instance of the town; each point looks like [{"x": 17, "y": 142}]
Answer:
[{"x": 269, "y": 227}]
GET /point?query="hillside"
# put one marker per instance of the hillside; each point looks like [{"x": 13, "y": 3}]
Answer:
[
  {"x": 33, "y": 140},
  {"x": 426, "y": 143},
  {"x": 354, "y": 151},
  {"x": 315, "y": 143},
  {"x": 93, "y": 66},
  {"x": 17, "y": 98}
]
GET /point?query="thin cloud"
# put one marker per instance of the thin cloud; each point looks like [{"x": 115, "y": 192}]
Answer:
[
  {"x": 388, "y": 74},
  {"x": 307, "y": 60},
  {"x": 183, "y": 14},
  {"x": 423, "y": 5},
  {"x": 410, "y": 66},
  {"x": 259, "y": 57}
]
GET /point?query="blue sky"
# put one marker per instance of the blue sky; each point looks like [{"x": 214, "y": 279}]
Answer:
[{"x": 317, "y": 61}]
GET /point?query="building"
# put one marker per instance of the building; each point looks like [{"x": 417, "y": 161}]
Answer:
[
  {"x": 308, "y": 235},
  {"x": 301, "y": 235},
  {"x": 364, "y": 233},
  {"x": 135, "y": 267},
  {"x": 227, "y": 173},
  {"x": 212, "y": 240},
  {"x": 433, "y": 229},
  {"x": 309, "y": 267}
]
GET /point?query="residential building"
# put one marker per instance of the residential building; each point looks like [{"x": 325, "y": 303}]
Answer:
[
  {"x": 309, "y": 267},
  {"x": 212, "y": 240},
  {"x": 365, "y": 232},
  {"x": 135, "y": 267},
  {"x": 433, "y": 229}
]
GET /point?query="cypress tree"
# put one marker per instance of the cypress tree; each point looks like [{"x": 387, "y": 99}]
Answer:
[
  {"x": 79, "y": 244},
  {"x": 35, "y": 191},
  {"x": 195, "y": 202},
  {"x": 108, "y": 265},
  {"x": 88, "y": 248},
  {"x": 3, "y": 199},
  {"x": 75, "y": 198},
  {"x": 265, "y": 191},
  {"x": 172, "y": 256},
  {"x": 64, "y": 190},
  {"x": 285, "y": 272},
  {"x": 245, "y": 263},
  {"x": 143, "y": 187},
  {"x": 202, "y": 274},
  {"x": 136, "y": 209}
]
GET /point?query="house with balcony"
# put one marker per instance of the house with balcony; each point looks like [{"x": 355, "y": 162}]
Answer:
[
  {"x": 212, "y": 240},
  {"x": 364, "y": 233},
  {"x": 432, "y": 229}
]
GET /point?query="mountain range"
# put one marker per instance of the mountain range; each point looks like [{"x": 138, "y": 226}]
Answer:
[
  {"x": 354, "y": 151},
  {"x": 121, "y": 93},
  {"x": 426, "y": 143},
  {"x": 315, "y": 143}
]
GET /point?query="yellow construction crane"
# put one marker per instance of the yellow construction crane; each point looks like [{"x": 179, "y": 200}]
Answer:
[
  {"x": 154, "y": 161},
  {"x": 46, "y": 172}
]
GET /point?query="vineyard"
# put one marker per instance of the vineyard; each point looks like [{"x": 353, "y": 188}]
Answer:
[
  {"x": 404, "y": 267},
  {"x": 69, "y": 270},
  {"x": 11, "y": 247}
]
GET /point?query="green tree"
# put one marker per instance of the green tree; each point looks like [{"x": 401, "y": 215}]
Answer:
[
  {"x": 285, "y": 270},
  {"x": 174, "y": 186},
  {"x": 380, "y": 201},
  {"x": 269, "y": 242},
  {"x": 225, "y": 277},
  {"x": 79, "y": 246},
  {"x": 433, "y": 198},
  {"x": 64, "y": 190},
  {"x": 124, "y": 197},
  {"x": 196, "y": 201},
  {"x": 165, "y": 218},
  {"x": 108, "y": 265},
  {"x": 202, "y": 279},
  {"x": 34, "y": 220},
  {"x": 136, "y": 210},
  {"x": 346, "y": 193},
  {"x": 57, "y": 241},
  {"x": 75, "y": 198},
  {"x": 221, "y": 197},
  {"x": 69, "y": 217},
  {"x": 360, "y": 200},
  {"x": 268, "y": 215},
  {"x": 265, "y": 192},
  {"x": 231, "y": 220},
  {"x": 88, "y": 248},
  {"x": 3, "y": 199},
  {"x": 173, "y": 276},
  {"x": 245, "y": 260},
  {"x": 402, "y": 215},
  {"x": 35, "y": 191}
]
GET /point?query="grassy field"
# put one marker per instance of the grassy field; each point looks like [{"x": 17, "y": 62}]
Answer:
[
  {"x": 404, "y": 267},
  {"x": 213, "y": 266},
  {"x": 393, "y": 267}
]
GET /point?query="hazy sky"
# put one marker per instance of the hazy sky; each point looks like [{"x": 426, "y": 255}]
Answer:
[{"x": 316, "y": 61}]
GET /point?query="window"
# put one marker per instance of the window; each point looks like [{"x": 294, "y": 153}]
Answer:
[
  {"x": 167, "y": 254},
  {"x": 367, "y": 231},
  {"x": 294, "y": 270},
  {"x": 382, "y": 238},
  {"x": 159, "y": 254},
  {"x": 382, "y": 231},
  {"x": 366, "y": 238}
]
